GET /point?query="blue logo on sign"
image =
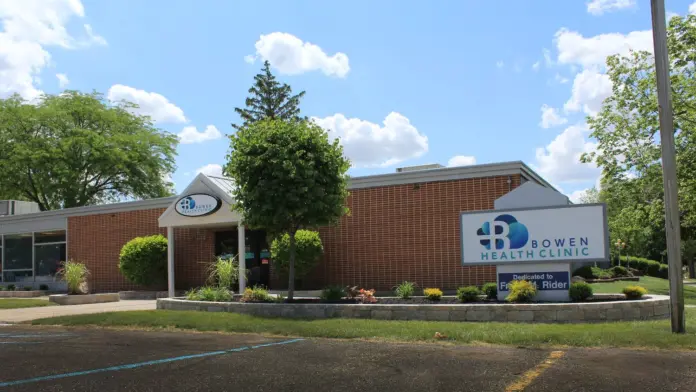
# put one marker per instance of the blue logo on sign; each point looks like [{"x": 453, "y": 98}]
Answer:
[
  {"x": 187, "y": 203},
  {"x": 505, "y": 232}
]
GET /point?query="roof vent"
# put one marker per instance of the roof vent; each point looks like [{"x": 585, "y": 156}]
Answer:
[
  {"x": 419, "y": 167},
  {"x": 16, "y": 207}
]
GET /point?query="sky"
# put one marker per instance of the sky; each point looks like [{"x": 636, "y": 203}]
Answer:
[{"x": 399, "y": 82}]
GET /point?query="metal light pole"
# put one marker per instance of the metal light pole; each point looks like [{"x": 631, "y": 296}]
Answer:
[{"x": 669, "y": 164}]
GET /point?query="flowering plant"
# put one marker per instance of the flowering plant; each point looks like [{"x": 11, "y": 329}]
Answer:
[{"x": 366, "y": 296}]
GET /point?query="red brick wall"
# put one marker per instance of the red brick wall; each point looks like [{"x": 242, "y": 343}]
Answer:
[
  {"x": 394, "y": 233},
  {"x": 97, "y": 240}
]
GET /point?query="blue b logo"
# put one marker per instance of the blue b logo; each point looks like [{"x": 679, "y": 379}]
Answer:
[
  {"x": 504, "y": 232},
  {"x": 187, "y": 203}
]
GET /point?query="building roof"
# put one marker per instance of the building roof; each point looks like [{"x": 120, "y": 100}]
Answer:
[{"x": 372, "y": 181}]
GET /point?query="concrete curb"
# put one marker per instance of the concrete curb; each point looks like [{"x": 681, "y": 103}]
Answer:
[
  {"x": 65, "y": 299},
  {"x": 650, "y": 308},
  {"x": 22, "y": 294}
]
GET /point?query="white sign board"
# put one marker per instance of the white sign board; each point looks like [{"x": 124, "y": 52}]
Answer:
[
  {"x": 197, "y": 204},
  {"x": 547, "y": 234}
]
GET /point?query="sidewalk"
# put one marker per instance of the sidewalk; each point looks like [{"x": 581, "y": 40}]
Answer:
[{"x": 27, "y": 314}]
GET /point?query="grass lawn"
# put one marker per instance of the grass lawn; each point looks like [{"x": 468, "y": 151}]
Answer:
[
  {"x": 15, "y": 303},
  {"x": 647, "y": 334},
  {"x": 653, "y": 285}
]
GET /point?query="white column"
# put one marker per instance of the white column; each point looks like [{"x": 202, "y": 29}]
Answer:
[
  {"x": 241, "y": 236},
  {"x": 170, "y": 261}
]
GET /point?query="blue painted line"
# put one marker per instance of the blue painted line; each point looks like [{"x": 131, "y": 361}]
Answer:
[{"x": 141, "y": 364}]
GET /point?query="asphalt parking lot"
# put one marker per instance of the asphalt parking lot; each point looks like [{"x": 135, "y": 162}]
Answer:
[{"x": 59, "y": 359}]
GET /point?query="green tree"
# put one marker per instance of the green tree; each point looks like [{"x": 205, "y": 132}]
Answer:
[
  {"x": 627, "y": 131},
  {"x": 590, "y": 196},
  {"x": 308, "y": 251},
  {"x": 290, "y": 176},
  {"x": 269, "y": 99},
  {"x": 76, "y": 149}
]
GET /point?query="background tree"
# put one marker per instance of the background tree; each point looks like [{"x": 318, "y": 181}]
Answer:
[
  {"x": 589, "y": 196},
  {"x": 289, "y": 176},
  {"x": 269, "y": 99},
  {"x": 308, "y": 251},
  {"x": 76, "y": 149},
  {"x": 628, "y": 150}
]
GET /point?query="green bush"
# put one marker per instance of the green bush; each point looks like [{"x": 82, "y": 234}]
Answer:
[
  {"x": 43, "y": 287},
  {"x": 646, "y": 266},
  {"x": 663, "y": 272},
  {"x": 210, "y": 293},
  {"x": 491, "y": 290},
  {"x": 433, "y": 294},
  {"x": 332, "y": 293},
  {"x": 405, "y": 290},
  {"x": 308, "y": 250},
  {"x": 620, "y": 271},
  {"x": 468, "y": 293},
  {"x": 584, "y": 272},
  {"x": 521, "y": 291},
  {"x": 580, "y": 291},
  {"x": 590, "y": 272},
  {"x": 75, "y": 275},
  {"x": 223, "y": 272},
  {"x": 653, "y": 269},
  {"x": 10, "y": 287},
  {"x": 143, "y": 260},
  {"x": 634, "y": 292},
  {"x": 256, "y": 294}
]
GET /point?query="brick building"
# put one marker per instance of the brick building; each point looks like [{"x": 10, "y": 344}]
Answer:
[{"x": 402, "y": 226}]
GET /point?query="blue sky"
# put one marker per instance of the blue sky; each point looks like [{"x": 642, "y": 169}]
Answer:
[{"x": 400, "y": 82}]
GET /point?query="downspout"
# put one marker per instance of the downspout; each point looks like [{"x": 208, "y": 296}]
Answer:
[{"x": 509, "y": 181}]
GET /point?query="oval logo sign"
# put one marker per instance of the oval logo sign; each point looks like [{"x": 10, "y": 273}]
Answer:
[{"x": 198, "y": 204}]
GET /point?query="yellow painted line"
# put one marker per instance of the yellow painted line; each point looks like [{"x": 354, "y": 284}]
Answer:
[{"x": 524, "y": 380}]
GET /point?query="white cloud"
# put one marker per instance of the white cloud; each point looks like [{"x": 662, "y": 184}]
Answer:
[
  {"x": 291, "y": 56},
  {"x": 560, "y": 79},
  {"x": 592, "y": 52},
  {"x": 590, "y": 89},
  {"x": 63, "y": 80},
  {"x": 550, "y": 117},
  {"x": 212, "y": 169},
  {"x": 559, "y": 161},
  {"x": 29, "y": 27},
  {"x": 692, "y": 8},
  {"x": 548, "y": 61},
  {"x": 92, "y": 37},
  {"x": 536, "y": 65},
  {"x": 190, "y": 135},
  {"x": 150, "y": 104},
  {"x": 575, "y": 196},
  {"x": 461, "y": 160},
  {"x": 599, "y": 7},
  {"x": 499, "y": 64},
  {"x": 368, "y": 144}
]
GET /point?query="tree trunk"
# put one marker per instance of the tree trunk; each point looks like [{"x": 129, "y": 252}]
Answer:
[{"x": 291, "y": 272}]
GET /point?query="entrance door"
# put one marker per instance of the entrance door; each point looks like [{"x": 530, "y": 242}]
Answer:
[{"x": 257, "y": 253}]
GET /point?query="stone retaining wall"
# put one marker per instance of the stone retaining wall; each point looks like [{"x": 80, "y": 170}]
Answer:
[
  {"x": 652, "y": 307},
  {"x": 22, "y": 294}
]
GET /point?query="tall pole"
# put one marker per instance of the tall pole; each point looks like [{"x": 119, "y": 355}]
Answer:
[{"x": 669, "y": 165}]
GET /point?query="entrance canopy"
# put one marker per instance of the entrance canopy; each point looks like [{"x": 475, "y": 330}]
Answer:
[{"x": 206, "y": 202}]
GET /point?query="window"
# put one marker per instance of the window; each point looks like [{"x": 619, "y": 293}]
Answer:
[
  {"x": 32, "y": 257},
  {"x": 18, "y": 252},
  {"x": 49, "y": 253}
]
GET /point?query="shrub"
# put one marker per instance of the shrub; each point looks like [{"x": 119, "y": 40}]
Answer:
[
  {"x": 521, "y": 291},
  {"x": 75, "y": 275},
  {"x": 646, "y": 266},
  {"x": 634, "y": 292},
  {"x": 10, "y": 287},
  {"x": 143, "y": 260},
  {"x": 653, "y": 269},
  {"x": 468, "y": 293},
  {"x": 223, "y": 272},
  {"x": 43, "y": 287},
  {"x": 308, "y": 250},
  {"x": 210, "y": 293},
  {"x": 433, "y": 294},
  {"x": 663, "y": 272},
  {"x": 27, "y": 288},
  {"x": 332, "y": 293},
  {"x": 491, "y": 290},
  {"x": 405, "y": 290},
  {"x": 256, "y": 294},
  {"x": 580, "y": 291},
  {"x": 366, "y": 296},
  {"x": 590, "y": 272},
  {"x": 620, "y": 271}
]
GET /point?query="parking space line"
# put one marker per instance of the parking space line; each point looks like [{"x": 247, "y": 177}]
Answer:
[
  {"x": 524, "y": 380},
  {"x": 142, "y": 364}
]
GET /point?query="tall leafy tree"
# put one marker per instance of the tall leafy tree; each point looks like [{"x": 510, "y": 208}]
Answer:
[
  {"x": 290, "y": 176},
  {"x": 77, "y": 149},
  {"x": 269, "y": 99},
  {"x": 627, "y": 131}
]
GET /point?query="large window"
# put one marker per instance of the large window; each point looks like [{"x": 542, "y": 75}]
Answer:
[{"x": 33, "y": 256}]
